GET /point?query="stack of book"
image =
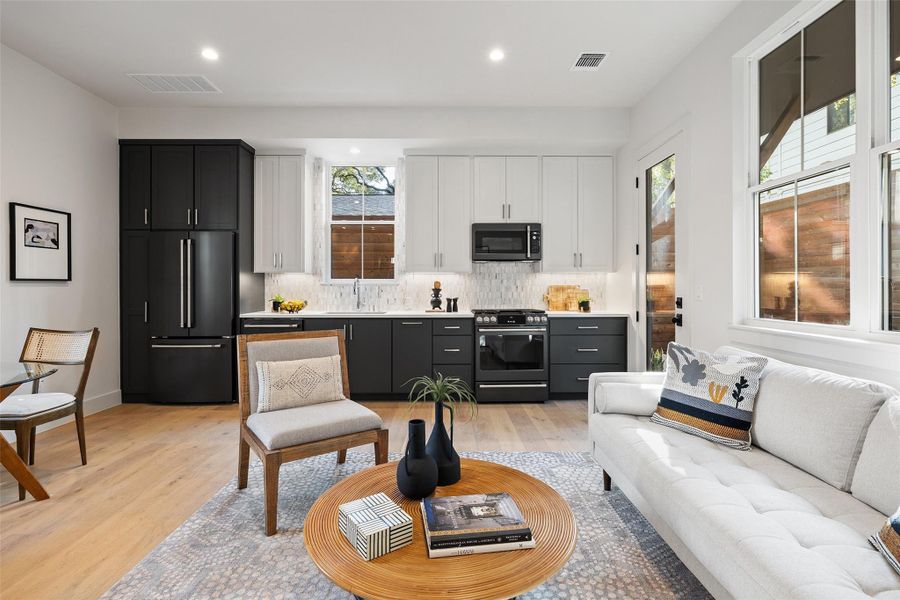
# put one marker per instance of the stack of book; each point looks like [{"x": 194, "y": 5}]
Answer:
[{"x": 457, "y": 525}]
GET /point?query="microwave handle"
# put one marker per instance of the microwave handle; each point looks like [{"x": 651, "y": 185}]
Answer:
[{"x": 528, "y": 241}]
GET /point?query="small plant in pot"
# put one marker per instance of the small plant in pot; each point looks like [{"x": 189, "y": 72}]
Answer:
[
  {"x": 277, "y": 300},
  {"x": 584, "y": 304},
  {"x": 449, "y": 393}
]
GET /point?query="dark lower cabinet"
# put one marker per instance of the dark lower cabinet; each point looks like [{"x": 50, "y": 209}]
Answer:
[
  {"x": 580, "y": 346},
  {"x": 258, "y": 325},
  {"x": 191, "y": 370},
  {"x": 368, "y": 344},
  {"x": 465, "y": 373},
  {"x": 135, "y": 306},
  {"x": 172, "y": 187},
  {"x": 326, "y": 324},
  {"x": 411, "y": 352}
]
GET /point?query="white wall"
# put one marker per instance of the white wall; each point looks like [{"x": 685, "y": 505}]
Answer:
[{"x": 59, "y": 150}]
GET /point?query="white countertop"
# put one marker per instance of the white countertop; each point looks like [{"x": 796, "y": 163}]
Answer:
[{"x": 403, "y": 313}]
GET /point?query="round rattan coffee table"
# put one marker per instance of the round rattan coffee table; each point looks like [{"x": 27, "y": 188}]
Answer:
[{"x": 409, "y": 573}]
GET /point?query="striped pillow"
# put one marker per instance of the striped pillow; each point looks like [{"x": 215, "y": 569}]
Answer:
[
  {"x": 887, "y": 540},
  {"x": 710, "y": 395}
]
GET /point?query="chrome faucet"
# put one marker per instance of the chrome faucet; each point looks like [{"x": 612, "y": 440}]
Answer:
[{"x": 356, "y": 293}]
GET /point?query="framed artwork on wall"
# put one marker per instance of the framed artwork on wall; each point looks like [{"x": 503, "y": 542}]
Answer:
[{"x": 40, "y": 247}]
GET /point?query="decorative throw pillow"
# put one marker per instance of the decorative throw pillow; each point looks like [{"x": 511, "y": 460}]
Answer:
[
  {"x": 709, "y": 395},
  {"x": 887, "y": 540},
  {"x": 293, "y": 383}
]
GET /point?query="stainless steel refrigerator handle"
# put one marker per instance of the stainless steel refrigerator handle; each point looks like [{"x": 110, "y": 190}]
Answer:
[
  {"x": 190, "y": 303},
  {"x": 181, "y": 281},
  {"x": 528, "y": 242},
  {"x": 192, "y": 346},
  {"x": 512, "y": 331},
  {"x": 512, "y": 385},
  {"x": 269, "y": 325}
]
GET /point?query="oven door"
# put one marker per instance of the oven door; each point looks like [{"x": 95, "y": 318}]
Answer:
[
  {"x": 500, "y": 242},
  {"x": 505, "y": 354}
]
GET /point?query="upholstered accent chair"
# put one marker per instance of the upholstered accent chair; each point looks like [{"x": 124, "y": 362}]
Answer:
[
  {"x": 25, "y": 412},
  {"x": 290, "y": 434}
]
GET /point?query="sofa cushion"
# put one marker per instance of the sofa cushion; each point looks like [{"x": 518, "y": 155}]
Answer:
[
  {"x": 292, "y": 383},
  {"x": 887, "y": 540},
  {"x": 876, "y": 480},
  {"x": 761, "y": 526},
  {"x": 814, "y": 419},
  {"x": 283, "y": 428},
  {"x": 709, "y": 395}
]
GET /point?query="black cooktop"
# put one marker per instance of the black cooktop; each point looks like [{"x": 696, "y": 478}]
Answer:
[{"x": 508, "y": 311}]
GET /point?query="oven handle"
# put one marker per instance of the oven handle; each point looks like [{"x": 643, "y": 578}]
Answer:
[
  {"x": 512, "y": 385},
  {"x": 514, "y": 330}
]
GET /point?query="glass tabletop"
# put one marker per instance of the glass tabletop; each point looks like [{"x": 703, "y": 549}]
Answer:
[{"x": 17, "y": 373}]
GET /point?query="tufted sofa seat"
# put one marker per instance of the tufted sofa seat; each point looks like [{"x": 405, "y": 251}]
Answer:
[{"x": 749, "y": 524}]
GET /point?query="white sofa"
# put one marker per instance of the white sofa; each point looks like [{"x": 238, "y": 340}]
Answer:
[{"x": 787, "y": 519}]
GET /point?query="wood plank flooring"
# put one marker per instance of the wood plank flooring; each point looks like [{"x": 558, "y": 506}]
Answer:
[{"x": 150, "y": 467}]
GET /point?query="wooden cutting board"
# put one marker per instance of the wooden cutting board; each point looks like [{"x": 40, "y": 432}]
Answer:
[{"x": 564, "y": 297}]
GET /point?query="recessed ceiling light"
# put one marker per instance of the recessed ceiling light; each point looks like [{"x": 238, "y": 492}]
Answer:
[
  {"x": 209, "y": 54},
  {"x": 496, "y": 55},
  {"x": 354, "y": 150}
]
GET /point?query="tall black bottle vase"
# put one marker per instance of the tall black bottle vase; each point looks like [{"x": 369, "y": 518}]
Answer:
[
  {"x": 440, "y": 447},
  {"x": 417, "y": 473}
]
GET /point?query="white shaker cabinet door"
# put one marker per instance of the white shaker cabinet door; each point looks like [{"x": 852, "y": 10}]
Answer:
[
  {"x": 289, "y": 214},
  {"x": 454, "y": 213},
  {"x": 560, "y": 210},
  {"x": 421, "y": 213},
  {"x": 265, "y": 257},
  {"x": 489, "y": 203},
  {"x": 523, "y": 189},
  {"x": 595, "y": 213}
]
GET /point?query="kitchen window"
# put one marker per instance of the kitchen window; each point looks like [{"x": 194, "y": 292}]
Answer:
[{"x": 361, "y": 223}]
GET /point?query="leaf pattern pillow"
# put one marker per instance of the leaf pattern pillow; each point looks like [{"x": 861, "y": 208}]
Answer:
[{"x": 710, "y": 395}]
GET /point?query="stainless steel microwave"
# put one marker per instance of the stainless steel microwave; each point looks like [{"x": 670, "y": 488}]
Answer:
[{"x": 506, "y": 242}]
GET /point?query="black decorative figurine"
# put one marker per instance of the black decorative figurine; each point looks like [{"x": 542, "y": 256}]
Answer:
[
  {"x": 436, "y": 298},
  {"x": 440, "y": 447},
  {"x": 417, "y": 473}
]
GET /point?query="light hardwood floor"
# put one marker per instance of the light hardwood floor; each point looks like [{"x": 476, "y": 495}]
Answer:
[{"x": 150, "y": 467}]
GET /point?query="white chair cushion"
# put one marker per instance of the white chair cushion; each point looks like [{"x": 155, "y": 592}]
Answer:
[
  {"x": 761, "y": 526},
  {"x": 292, "y": 426},
  {"x": 876, "y": 480},
  {"x": 27, "y": 405}
]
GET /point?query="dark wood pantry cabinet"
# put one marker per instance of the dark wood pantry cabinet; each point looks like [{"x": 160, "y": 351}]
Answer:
[{"x": 186, "y": 214}]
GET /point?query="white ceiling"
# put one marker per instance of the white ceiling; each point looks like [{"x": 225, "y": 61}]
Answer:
[{"x": 373, "y": 53}]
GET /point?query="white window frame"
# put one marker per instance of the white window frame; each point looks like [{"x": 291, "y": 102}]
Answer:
[
  {"x": 867, "y": 201},
  {"x": 329, "y": 221}
]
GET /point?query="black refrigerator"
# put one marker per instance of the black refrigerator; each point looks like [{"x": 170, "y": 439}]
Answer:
[{"x": 186, "y": 268}]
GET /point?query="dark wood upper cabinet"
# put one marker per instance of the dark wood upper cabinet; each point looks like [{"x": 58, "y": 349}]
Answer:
[
  {"x": 134, "y": 187},
  {"x": 216, "y": 187},
  {"x": 172, "y": 187}
]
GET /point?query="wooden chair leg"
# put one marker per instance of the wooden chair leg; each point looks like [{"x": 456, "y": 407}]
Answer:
[
  {"x": 271, "y": 466},
  {"x": 381, "y": 447},
  {"x": 607, "y": 482},
  {"x": 243, "y": 463},
  {"x": 23, "y": 443},
  {"x": 342, "y": 456},
  {"x": 31, "y": 446},
  {"x": 79, "y": 425}
]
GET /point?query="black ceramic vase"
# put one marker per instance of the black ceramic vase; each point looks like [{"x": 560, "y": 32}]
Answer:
[
  {"x": 440, "y": 447},
  {"x": 417, "y": 473}
]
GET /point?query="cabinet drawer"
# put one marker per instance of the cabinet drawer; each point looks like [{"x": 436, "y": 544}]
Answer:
[
  {"x": 443, "y": 326},
  {"x": 452, "y": 349},
  {"x": 271, "y": 325},
  {"x": 593, "y": 349},
  {"x": 191, "y": 370},
  {"x": 573, "y": 379},
  {"x": 587, "y": 326},
  {"x": 464, "y": 372}
]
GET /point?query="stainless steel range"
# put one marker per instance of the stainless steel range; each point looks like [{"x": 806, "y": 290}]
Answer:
[{"x": 511, "y": 355}]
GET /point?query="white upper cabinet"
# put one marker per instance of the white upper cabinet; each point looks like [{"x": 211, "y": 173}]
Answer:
[
  {"x": 454, "y": 214},
  {"x": 507, "y": 189},
  {"x": 578, "y": 213},
  {"x": 421, "y": 213},
  {"x": 278, "y": 214}
]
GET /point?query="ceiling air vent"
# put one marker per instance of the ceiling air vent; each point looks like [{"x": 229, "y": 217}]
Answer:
[
  {"x": 175, "y": 84},
  {"x": 588, "y": 61}
]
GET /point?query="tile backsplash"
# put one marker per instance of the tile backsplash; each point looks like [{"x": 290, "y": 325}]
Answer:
[{"x": 489, "y": 285}]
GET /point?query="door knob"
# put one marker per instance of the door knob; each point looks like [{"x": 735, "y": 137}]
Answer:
[{"x": 677, "y": 319}]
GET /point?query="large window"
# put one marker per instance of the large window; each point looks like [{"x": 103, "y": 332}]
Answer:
[
  {"x": 361, "y": 224},
  {"x": 807, "y": 134},
  {"x": 891, "y": 303}
]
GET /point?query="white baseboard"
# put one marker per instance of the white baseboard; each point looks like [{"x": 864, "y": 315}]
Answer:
[{"x": 91, "y": 406}]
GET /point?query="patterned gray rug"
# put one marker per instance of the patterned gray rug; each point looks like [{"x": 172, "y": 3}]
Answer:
[{"x": 222, "y": 552}]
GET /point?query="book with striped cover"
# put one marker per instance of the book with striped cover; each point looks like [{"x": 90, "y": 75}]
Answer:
[{"x": 456, "y": 525}]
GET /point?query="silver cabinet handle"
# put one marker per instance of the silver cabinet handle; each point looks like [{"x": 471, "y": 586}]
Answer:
[
  {"x": 574, "y": 259},
  {"x": 434, "y": 259},
  {"x": 146, "y": 220},
  {"x": 181, "y": 282},
  {"x": 580, "y": 259},
  {"x": 280, "y": 260},
  {"x": 452, "y": 350},
  {"x": 189, "y": 216},
  {"x": 588, "y": 350},
  {"x": 411, "y": 322},
  {"x": 196, "y": 218},
  {"x": 581, "y": 379},
  {"x": 509, "y": 211},
  {"x": 588, "y": 327},
  {"x": 269, "y": 325},
  {"x": 512, "y": 385},
  {"x": 351, "y": 332},
  {"x": 528, "y": 241},
  {"x": 145, "y": 311},
  {"x": 504, "y": 211},
  {"x": 441, "y": 259},
  {"x": 451, "y": 327},
  {"x": 190, "y": 301},
  {"x": 345, "y": 331},
  {"x": 191, "y": 346}
]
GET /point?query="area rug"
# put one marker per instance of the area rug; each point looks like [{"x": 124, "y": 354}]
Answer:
[{"x": 222, "y": 551}]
